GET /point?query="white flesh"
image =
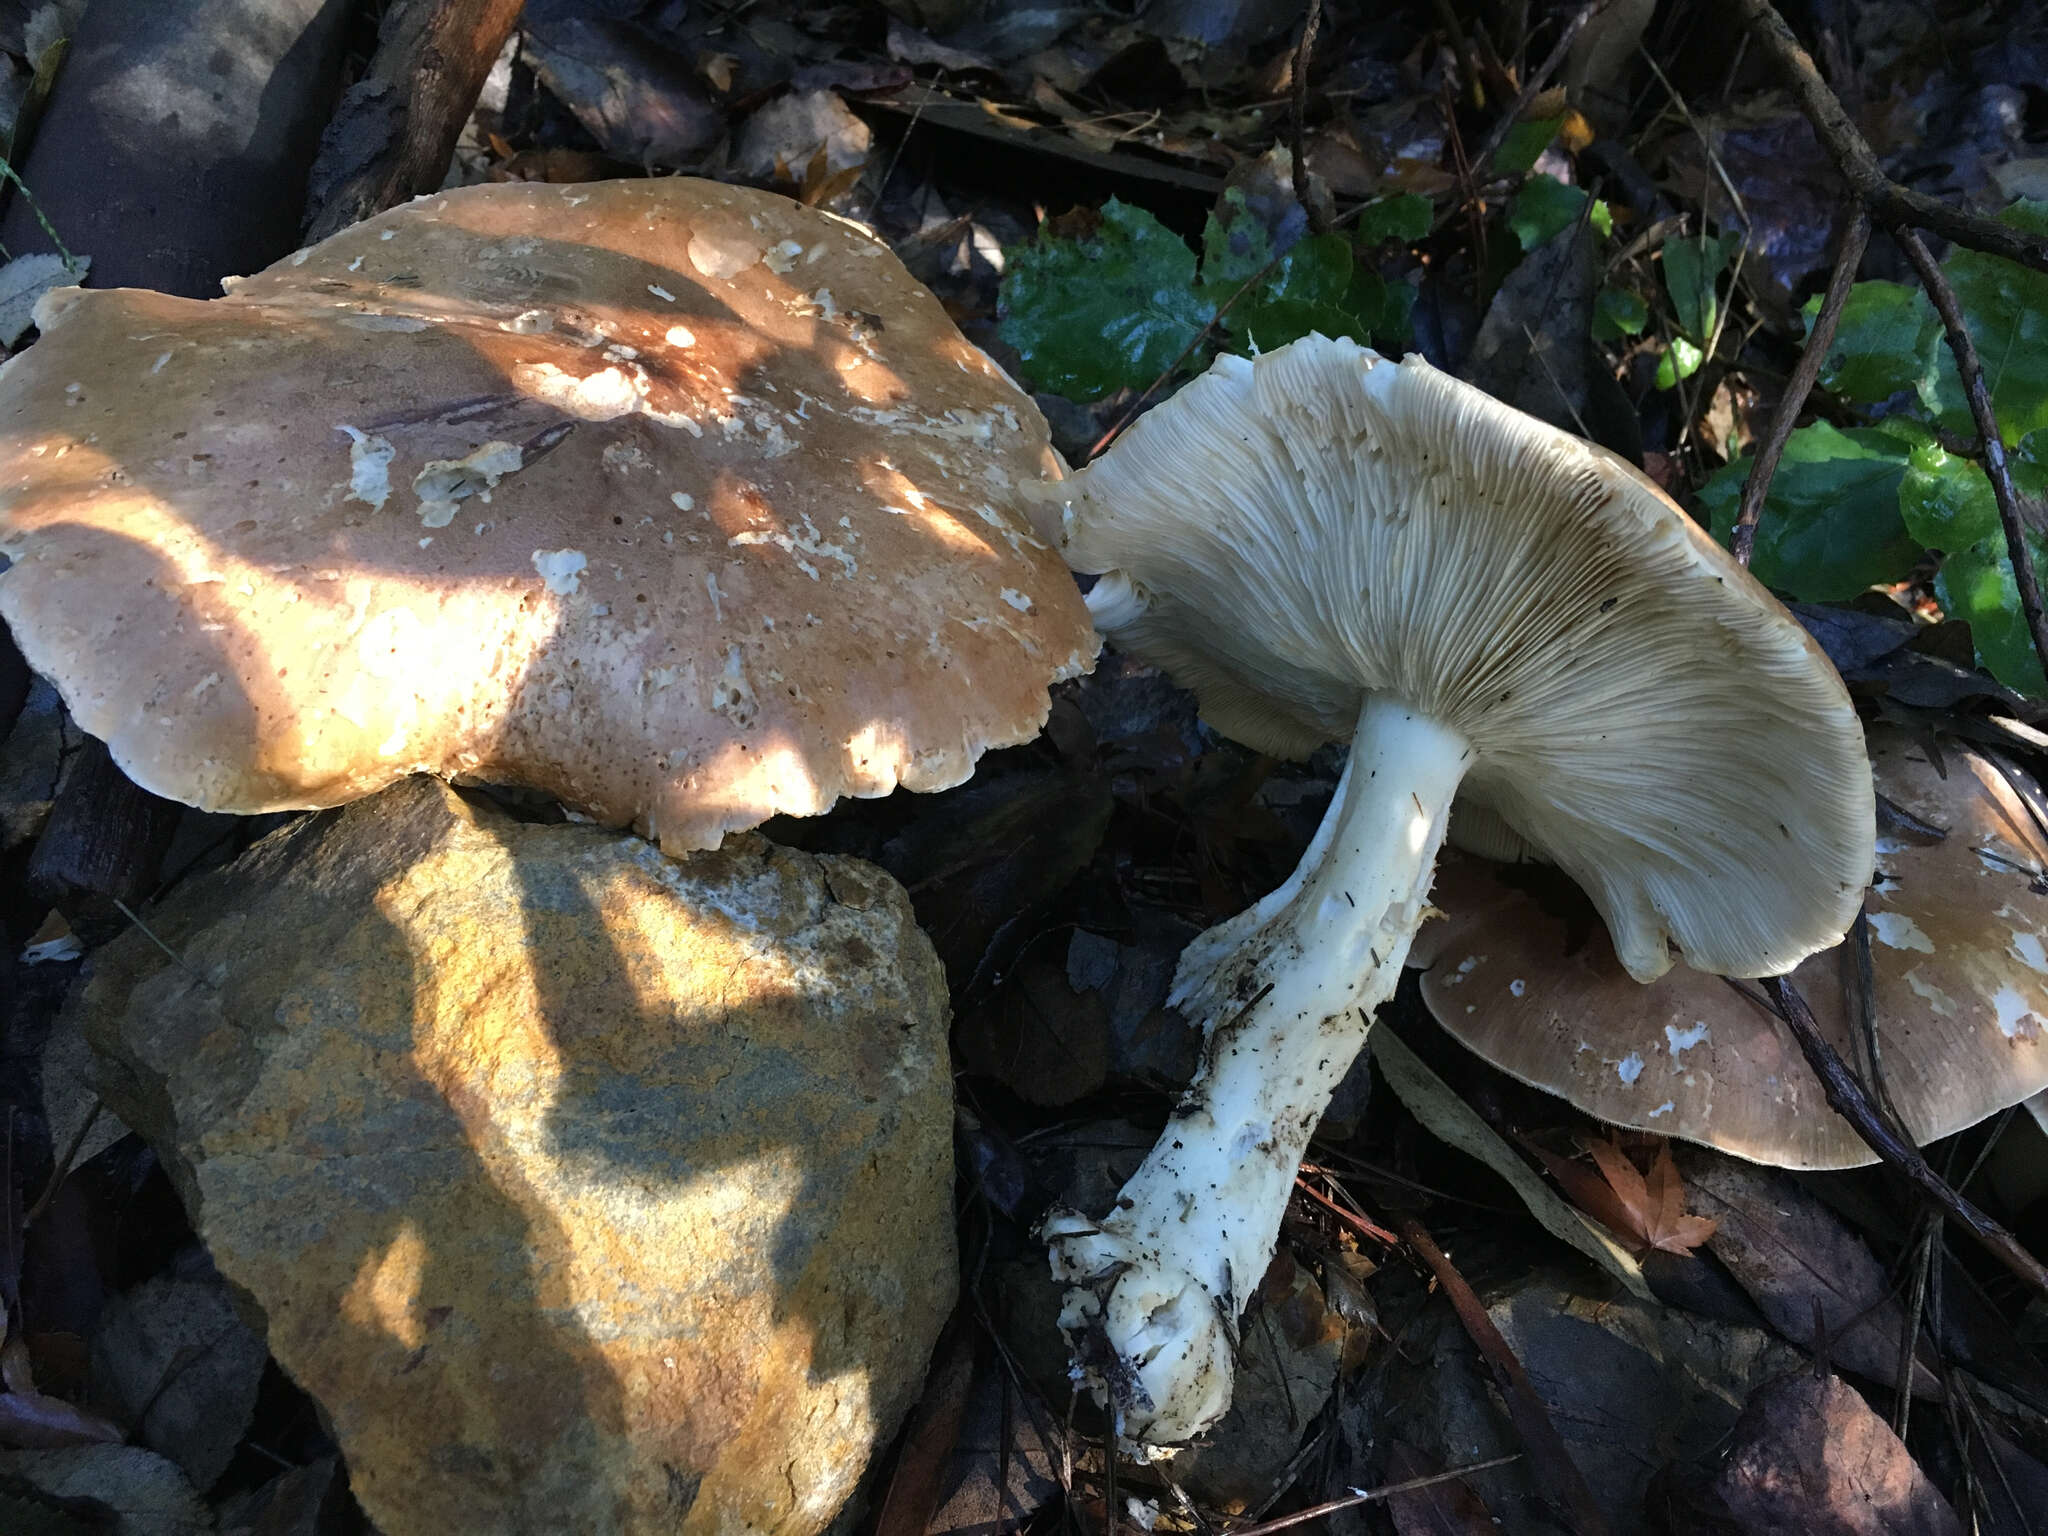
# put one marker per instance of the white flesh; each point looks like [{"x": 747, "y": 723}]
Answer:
[{"x": 1285, "y": 992}]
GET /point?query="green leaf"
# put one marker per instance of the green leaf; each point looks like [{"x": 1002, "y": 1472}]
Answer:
[
  {"x": 1110, "y": 310},
  {"x": 1884, "y": 342},
  {"x": 1235, "y": 248},
  {"x": 1405, "y": 216},
  {"x": 2005, "y": 307},
  {"x": 1618, "y": 312},
  {"x": 2029, "y": 214},
  {"x": 1692, "y": 272},
  {"x": 1316, "y": 286},
  {"x": 1830, "y": 526},
  {"x": 1524, "y": 145},
  {"x": 1681, "y": 360},
  {"x": 1546, "y": 207},
  {"x": 1947, "y": 503}
]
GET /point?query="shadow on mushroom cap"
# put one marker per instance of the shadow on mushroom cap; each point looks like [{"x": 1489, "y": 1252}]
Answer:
[{"x": 679, "y": 501}]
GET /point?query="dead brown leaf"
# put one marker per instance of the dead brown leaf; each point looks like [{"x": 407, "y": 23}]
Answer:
[{"x": 1645, "y": 1213}]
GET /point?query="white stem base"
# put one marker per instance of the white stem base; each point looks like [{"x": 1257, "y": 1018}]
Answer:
[{"x": 1285, "y": 991}]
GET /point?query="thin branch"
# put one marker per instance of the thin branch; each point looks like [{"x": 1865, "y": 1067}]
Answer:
[
  {"x": 1549, "y": 1459},
  {"x": 1371, "y": 1496},
  {"x": 1979, "y": 393},
  {"x": 1363, "y": 1226},
  {"x": 1793, "y": 401},
  {"x": 1533, "y": 86},
  {"x": 1889, "y": 203},
  {"x": 1317, "y": 223},
  {"x": 1848, "y": 1100}
]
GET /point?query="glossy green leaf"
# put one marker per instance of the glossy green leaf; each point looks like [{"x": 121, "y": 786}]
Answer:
[
  {"x": 1830, "y": 526},
  {"x": 1885, "y": 342},
  {"x": 1405, "y": 216},
  {"x": 1546, "y": 207},
  {"x": 1681, "y": 360},
  {"x": 1524, "y": 145},
  {"x": 1618, "y": 312},
  {"x": 1110, "y": 310},
  {"x": 2005, "y": 307},
  {"x": 1947, "y": 504},
  {"x": 1692, "y": 274},
  {"x": 1316, "y": 286}
]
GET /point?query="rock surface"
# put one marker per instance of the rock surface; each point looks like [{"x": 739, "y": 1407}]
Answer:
[
  {"x": 585, "y": 1189},
  {"x": 1809, "y": 1458}
]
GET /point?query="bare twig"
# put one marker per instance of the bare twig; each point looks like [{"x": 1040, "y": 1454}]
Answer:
[
  {"x": 1551, "y": 1462},
  {"x": 63, "y": 1164},
  {"x": 1979, "y": 394},
  {"x": 1533, "y": 86},
  {"x": 1302, "y": 51},
  {"x": 1793, "y": 401},
  {"x": 1363, "y": 1226},
  {"x": 1848, "y": 1100},
  {"x": 1889, "y": 203},
  {"x": 1371, "y": 1496}
]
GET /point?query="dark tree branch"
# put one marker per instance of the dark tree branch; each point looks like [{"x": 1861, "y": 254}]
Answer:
[
  {"x": 393, "y": 134},
  {"x": 1786, "y": 417},
  {"x": 1890, "y": 204},
  {"x": 1846, "y": 1096},
  {"x": 1317, "y": 223}
]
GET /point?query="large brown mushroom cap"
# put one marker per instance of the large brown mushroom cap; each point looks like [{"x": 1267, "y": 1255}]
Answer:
[
  {"x": 1959, "y": 952},
  {"x": 680, "y": 501}
]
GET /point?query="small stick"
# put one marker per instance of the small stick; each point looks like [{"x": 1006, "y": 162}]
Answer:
[
  {"x": 1889, "y": 203},
  {"x": 1371, "y": 1496},
  {"x": 1553, "y": 1463},
  {"x": 1316, "y": 222},
  {"x": 1357, "y": 1223},
  {"x": 1972, "y": 371},
  {"x": 1793, "y": 401},
  {"x": 1497, "y": 135},
  {"x": 1533, "y": 86},
  {"x": 1848, "y": 1100}
]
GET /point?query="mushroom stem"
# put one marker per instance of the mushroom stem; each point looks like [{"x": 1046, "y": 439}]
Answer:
[{"x": 1285, "y": 992}]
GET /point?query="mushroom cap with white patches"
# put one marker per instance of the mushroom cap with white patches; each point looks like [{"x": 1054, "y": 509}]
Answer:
[
  {"x": 1288, "y": 534},
  {"x": 657, "y": 444},
  {"x": 1959, "y": 954}
]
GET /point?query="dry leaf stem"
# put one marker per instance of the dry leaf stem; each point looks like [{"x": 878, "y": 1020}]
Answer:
[{"x": 1555, "y": 1470}]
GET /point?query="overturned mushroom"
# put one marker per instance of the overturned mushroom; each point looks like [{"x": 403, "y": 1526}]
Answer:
[
  {"x": 680, "y": 501},
  {"x": 1959, "y": 985},
  {"x": 1325, "y": 544}
]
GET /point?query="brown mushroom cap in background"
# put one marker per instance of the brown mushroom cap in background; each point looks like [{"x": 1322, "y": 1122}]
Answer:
[
  {"x": 680, "y": 501},
  {"x": 1959, "y": 950}
]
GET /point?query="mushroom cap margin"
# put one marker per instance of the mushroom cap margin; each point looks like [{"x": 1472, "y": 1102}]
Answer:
[{"x": 1287, "y": 534}]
